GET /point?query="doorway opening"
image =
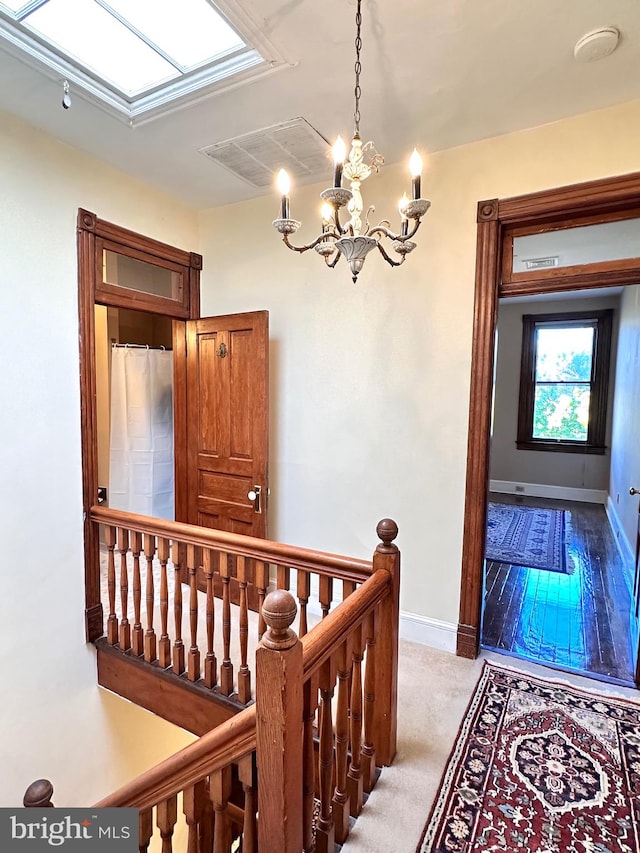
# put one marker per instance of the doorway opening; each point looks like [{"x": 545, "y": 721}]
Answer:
[
  {"x": 500, "y": 223},
  {"x": 557, "y": 590}
]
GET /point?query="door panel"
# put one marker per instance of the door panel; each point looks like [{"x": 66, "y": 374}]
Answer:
[{"x": 227, "y": 421}]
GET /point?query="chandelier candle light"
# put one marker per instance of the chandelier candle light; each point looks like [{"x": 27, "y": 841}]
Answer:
[{"x": 356, "y": 239}]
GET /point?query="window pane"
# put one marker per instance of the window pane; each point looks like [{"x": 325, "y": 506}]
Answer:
[
  {"x": 138, "y": 275},
  {"x": 583, "y": 244},
  {"x": 561, "y": 412},
  {"x": 190, "y": 32},
  {"x": 564, "y": 354},
  {"x": 98, "y": 40}
]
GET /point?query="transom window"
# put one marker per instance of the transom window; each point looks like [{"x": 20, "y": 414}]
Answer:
[
  {"x": 564, "y": 381},
  {"x": 138, "y": 52}
]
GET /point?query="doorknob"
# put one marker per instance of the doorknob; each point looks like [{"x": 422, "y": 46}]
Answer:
[
  {"x": 254, "y": 496},
  {"x": 633, "y": 491}
]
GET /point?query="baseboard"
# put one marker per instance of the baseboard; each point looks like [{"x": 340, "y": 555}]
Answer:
[
  {"x": 539, "y": 490},
  {"x": 428, "y": 632},
  {"x": 624, "y": 546}
]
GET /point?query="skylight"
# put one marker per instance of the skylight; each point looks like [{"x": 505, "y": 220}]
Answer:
[{"x": 132, "y": 54}]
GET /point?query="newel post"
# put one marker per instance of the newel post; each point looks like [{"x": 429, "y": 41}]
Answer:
[
  {"x": 38, "y": 795},
  {"x": 385, "y": 713},
  {"x": 279, "y": 728}
]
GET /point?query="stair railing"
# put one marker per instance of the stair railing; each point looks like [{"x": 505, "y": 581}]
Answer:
[
  {"x": 167, "y": 590},
  {"x": 284, "y": 774}
]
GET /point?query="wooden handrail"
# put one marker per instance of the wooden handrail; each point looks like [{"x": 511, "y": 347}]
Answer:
[
  {"x": 306, "y": 559},
  {"x": 325, "y": 637},
  {"x": 237, "y": 737},
  {"x": 213, "y": 751}
]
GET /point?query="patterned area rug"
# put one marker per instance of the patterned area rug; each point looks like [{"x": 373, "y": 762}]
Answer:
[
  {"x": 528, "y": 536},
  {"x": 539, "y": 767}
]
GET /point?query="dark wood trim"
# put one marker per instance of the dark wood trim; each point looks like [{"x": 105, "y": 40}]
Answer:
[
  {"x": 609, "y": 197},
  {"x": 616, "y": 195},
  {"x": 561, "y": 447},
  {"x": 484, "y": 325},
  {"x": 133, "y": 240},
  {"x": 88, "y": 428},
  {"x": 172, "y": 697},
  {"x": 89, "y": 228},
  {"x": 180, "y": 425}
]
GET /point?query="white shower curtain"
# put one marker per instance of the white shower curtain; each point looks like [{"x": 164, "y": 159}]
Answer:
[{"x": 141, "y": 445}]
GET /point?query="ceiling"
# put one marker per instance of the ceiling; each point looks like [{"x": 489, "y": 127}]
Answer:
[{"x": 434, "y": 75}]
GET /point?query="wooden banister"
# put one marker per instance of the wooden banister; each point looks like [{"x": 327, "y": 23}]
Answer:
[
  {"x": 324, "y": 717},
  {"x": 320, "y": 562},
  {"x": 212, "y": 752},
  {"x": 325, "y": 638}
]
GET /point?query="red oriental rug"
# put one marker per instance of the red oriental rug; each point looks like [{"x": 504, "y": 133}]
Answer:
[{"x": 541, "y": 767}]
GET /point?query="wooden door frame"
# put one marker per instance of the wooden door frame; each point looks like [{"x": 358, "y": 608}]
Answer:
[
  {"x": 90, "y": 230},
  {"x": 603, "y": 200}
]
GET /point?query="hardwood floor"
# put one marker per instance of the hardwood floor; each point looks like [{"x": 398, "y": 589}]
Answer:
[{"x": 580, "y": 621}]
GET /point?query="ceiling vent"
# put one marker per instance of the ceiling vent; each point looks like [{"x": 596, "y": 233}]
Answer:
[{"x": 257, "y": 157}]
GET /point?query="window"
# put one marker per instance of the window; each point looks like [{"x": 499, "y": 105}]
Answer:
[
  {"x": 135, "y": 57},
  {"x": 564, "y": 381}
]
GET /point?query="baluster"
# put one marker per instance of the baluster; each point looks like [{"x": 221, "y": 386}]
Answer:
[
  {"x": 210, "y": 663},
  {"x": 303, "y": 591},
  {"x": 347, "y": 588},
  {"x": 340, "y": 803},
  {"x": 283, "y": 577},
  {"x": 310, "y": 705},
  {"x": 244, "y": 676},
  {"x": 166, "y": 817},
  {"x": 325, "y": 594},
  {"x": 354, "y": 779},
  {"x": 368, "y": 747},
  {"x": 164, "y": 646},
  {"x": 325, "y": 827},
  {"x": 145, "y": 829},
  {"x": 192, "y": 805},
  {"x": 220, "y": 791},
  {"x": 247, "y": 775},
  {"x": 112, "y": 621},
  {"x": 124, "y": 635},
  {"x": 137, "y": 639},
  {"x": 150, "y": 636},
  {"x": 262, "y": 582},
  {"x": 206, "y": 823},
  {"x": 194, "y": 652},
  {"x": 226, "y": 670},
  {"x": 177, "y": 555}
]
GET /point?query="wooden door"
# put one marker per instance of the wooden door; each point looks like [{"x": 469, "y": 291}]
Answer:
[{"x": 227, "y": 422}]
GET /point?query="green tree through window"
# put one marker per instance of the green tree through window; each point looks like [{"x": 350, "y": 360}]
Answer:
[{"x": 563, "y": 381}]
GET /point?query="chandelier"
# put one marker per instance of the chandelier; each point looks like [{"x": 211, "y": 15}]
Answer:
[{"x": 354, "y": 238}]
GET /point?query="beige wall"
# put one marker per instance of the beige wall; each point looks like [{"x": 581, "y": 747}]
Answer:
[
  {"x": 55, "y": 721},
  {"x": 625, "y": 458},
  {"x": 574, "y": 470},
  {"x": 370, "y": 382},
  {"x": 369, "y": 402}
]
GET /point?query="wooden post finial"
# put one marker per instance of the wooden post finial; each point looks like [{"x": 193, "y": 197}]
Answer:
[
  {"x": 38, "y": 795},
  {"x": 279, "y": 610},
  {"x": 387, "y": 531}
]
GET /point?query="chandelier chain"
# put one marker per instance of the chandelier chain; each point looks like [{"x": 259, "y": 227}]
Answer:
[{"x": 358, "y": 69}]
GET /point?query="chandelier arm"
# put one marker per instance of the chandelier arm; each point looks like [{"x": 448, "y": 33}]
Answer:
[
  {"x": 389, "y": 259},
  {"x": 382, "y": 229},
  {"x": 319, "y": 239},
  {"x": 331, "y": 263}
]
